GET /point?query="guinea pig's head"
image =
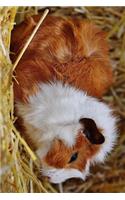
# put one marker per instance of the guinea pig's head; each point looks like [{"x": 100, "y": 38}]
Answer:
[{"x": 64, "y": 161}]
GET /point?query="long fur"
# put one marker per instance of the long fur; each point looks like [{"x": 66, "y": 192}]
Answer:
[
  {"x": 71, "y": 50},
  {"x": 54, "y": 112}
]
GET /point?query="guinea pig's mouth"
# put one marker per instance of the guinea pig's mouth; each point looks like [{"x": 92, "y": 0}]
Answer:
[{"x": 60, "y": 175}]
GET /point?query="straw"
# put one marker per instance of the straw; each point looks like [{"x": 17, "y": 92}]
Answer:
[{"x": 30, "y": 38}]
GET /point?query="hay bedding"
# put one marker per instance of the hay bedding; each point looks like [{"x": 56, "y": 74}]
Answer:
[{"x": 19, "y": 170}]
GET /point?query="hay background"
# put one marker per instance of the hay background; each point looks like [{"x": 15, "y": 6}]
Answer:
[{"x": 19, "y": 173}]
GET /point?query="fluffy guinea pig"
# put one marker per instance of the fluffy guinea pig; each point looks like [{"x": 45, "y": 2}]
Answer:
[{"x": 58, "y": 80}]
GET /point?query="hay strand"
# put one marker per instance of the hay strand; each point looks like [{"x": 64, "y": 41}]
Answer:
[{"x": 30, "y": 38}]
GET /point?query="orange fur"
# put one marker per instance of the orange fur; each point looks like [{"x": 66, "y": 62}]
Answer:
[
  {"x": 85, "y": 150},
  {"x": 72, "y": 50}
]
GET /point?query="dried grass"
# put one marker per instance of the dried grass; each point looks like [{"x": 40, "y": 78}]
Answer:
[
  {"x": 18, "y": 162},
  {"x": 19, "y": 168}
]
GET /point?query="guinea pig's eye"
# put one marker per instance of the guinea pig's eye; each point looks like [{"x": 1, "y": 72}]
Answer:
[{"x": 73, "y": 157}]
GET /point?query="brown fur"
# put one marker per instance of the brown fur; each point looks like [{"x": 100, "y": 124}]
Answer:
[
  {"x": 72, "y": 50},
  {"x": 57, "y": 159}
]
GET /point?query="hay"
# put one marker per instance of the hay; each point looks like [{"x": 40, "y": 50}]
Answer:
[
  {"x": 19, "y": 170},
  {"x": 30, "y": 38},
  {"x": 18, "y": 162}
]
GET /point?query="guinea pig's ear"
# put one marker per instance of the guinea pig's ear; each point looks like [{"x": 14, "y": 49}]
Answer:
[{"x": 91, "y": 131}]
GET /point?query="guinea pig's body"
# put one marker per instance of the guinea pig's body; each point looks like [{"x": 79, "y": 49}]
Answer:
[
  {"x": 71, "y": 50},
  {"x": 66, "y": 61}
]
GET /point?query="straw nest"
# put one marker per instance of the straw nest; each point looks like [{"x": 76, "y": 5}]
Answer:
[{"x": 19, "y": 170}]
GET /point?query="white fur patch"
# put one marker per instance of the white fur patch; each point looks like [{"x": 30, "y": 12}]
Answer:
[
  {"x": 61, "y": 175},
  {"x": 54, "y": 112}
]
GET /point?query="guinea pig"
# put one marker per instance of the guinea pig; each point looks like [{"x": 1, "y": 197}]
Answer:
[{"x": 58, "y": 80}]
